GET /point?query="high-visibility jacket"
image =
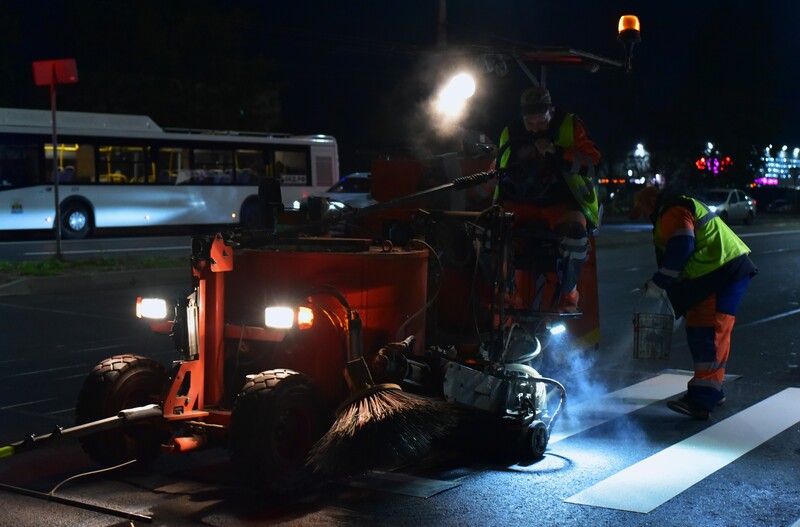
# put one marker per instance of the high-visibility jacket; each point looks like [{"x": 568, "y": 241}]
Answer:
[
  {"x": 579, "y": 176},
  {"x": 715, "y": 244}
]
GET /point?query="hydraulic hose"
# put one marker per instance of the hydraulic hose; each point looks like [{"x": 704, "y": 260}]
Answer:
[{"x": 258, "y": 239}]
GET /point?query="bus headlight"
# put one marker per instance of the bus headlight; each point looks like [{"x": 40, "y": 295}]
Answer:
[
  {"x": 151, "y": 308},
  {"x": 280, "y": 317}
]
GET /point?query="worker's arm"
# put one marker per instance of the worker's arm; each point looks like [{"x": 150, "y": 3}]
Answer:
[
  {"x": 677, "y": 226},
  {"x": 582, "y": 144}
]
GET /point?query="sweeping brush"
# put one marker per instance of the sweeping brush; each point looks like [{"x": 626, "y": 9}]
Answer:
[{"x": 379, "y": 425}]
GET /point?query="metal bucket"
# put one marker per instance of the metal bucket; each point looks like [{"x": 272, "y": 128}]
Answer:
[{"x": 652, "y": 335}]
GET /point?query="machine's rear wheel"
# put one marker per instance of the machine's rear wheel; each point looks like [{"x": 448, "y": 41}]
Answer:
[
  {"x": 117, "y": 383},
  {"x": 534, "y": 441},
  {"x": 276, "y": 419}
]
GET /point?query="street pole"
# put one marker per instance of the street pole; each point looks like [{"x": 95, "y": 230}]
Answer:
[
  {"x": 57, "y": 218},
  {"x": 49, "y": 73}
]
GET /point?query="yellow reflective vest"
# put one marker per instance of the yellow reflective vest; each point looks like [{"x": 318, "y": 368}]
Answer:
[
  {"x": 582, "y": 186},
  {"x": 715, "y": 244}
]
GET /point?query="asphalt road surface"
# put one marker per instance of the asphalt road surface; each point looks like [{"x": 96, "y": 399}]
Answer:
[{"x": 617, "y": 456}]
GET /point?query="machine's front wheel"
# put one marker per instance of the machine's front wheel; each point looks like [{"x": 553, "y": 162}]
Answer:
[
  {"x": 534, "y": 441},
  {"x": 276, "y": 419},
  {"x": 118, "y": 383}
]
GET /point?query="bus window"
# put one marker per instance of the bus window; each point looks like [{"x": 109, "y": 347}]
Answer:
[
  {"x": 123, "y": 164},
  {"x": 19, "y": 166},
  {"x": 212, "y": 166},
  {"x": 172, "y": 165},
  {"x": 292, "y": 167},
  {"x": 84, "y": 164},
  {"x": 249, "y": 166},
  {"x": 66, "y": 162}
]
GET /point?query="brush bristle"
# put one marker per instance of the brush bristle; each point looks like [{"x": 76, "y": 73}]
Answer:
[{"x": 383, "y": 428}]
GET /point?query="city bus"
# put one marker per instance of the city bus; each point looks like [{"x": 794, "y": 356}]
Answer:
[{"x": 117, "y": 170}]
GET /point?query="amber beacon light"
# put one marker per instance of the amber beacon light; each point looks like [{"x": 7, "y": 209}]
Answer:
[{"x": 628, "y": 34}]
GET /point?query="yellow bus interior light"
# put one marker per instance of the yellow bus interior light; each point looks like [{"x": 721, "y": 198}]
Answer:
[
  {"x": 279, "y": 317},
  {"x": 151, "y": 308}
]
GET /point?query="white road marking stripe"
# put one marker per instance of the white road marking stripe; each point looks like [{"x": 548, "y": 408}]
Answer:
[
  {"x": 651, "y": 482},
  {"x": 101, "y": 251},
  {"x": 592, "y": 413},
  {"x": 769, "y": 319},
  {"x": 759, "y": 234},
  {"x": 27, "y": 403}
]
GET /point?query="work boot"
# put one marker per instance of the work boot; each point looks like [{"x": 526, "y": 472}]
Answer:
[
  {"x": 569, "y": 302},
  {"x": 687, "y": 406}
]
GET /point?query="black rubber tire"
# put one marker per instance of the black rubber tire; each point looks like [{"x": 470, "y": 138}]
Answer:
[
  {"x": 749, "y": 219},
  {"x": 117, "y": 383},
  {"x": 276, "y": 419},
  {"x": 77, "y": 220},
  {"x": 534, "y": 441},
  {"x": 724, "y": 216}
]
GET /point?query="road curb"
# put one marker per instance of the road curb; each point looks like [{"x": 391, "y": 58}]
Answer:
[{"x": 143, "y": 278}]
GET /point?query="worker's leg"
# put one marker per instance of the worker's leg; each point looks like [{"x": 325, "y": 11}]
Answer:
[
  {"x": 708, "y": 330},
  {"x": 573, "y": 244}
]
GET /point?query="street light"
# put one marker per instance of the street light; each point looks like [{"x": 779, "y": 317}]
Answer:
[{"x": 49, "y": 73}]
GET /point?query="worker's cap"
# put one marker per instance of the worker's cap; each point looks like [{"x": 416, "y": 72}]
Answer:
[
  {"x": 643, "y": 200},
  {"x": 535, "y": 100}
]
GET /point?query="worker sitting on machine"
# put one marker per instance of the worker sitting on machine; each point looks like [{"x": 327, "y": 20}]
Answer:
[{"x": 550, "y": 164}]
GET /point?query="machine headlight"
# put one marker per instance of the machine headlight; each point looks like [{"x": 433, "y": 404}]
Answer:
[
  {"x": 155, "y": 308},
  {"x": 285, "y": 317},
  {"x": 712, "y": 208}
]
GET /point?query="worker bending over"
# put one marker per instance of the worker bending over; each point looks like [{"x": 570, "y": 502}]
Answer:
[{"x": 704, "y": 268}]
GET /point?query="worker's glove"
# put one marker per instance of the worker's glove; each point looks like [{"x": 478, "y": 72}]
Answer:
[{"x": 651, "y": 290}]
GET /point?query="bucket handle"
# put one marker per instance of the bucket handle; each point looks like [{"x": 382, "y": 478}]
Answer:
[{"x": 663, "y": 302}]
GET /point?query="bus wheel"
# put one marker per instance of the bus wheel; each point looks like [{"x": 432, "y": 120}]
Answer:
[
  {"x": 118, "y": 383},
  {"x": 276, "y": 419},
  {"x": 76, "y": 220}
]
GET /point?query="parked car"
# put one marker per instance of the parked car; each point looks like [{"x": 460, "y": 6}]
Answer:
[
  {"x": 732, "y": 205},
  {"x": 780, "y": 205},
  {"x": 353, "y": 190}
]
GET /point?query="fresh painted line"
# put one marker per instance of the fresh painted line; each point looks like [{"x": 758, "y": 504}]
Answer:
[
  {"x": 651, "y": 482},
  {"x": 615, "y": 404}
]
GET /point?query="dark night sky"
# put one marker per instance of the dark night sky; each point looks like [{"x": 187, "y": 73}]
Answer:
[{"x": 719, "y": 70}]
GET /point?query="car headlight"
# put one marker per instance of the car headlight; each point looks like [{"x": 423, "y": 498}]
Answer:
[
  {"x": 712, "y": 208},
  {"x": 280, "y": 317},
  {"x": 151, "y": 308}
]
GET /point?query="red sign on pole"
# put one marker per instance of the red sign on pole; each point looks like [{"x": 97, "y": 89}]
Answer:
[{"x": 60, "y": 71}]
